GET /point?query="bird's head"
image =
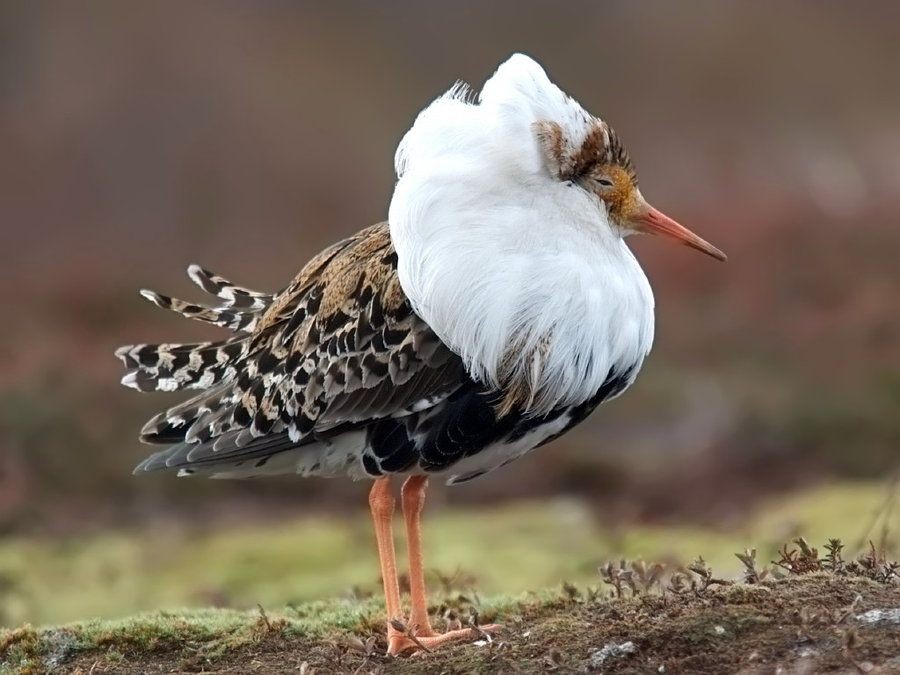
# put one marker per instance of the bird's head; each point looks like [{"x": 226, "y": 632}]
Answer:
[
  {"x": 599, "y": 164},
  {"x": 522, "y": 151}
]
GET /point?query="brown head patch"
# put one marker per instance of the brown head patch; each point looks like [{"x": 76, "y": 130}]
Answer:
[{"x": 600, "y": 147}]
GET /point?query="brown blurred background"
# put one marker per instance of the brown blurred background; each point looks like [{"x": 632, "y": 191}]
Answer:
[{"x": 136, "y": 138}]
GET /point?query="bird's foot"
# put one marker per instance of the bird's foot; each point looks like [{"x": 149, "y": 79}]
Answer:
[{"x": 403, "y": 643}]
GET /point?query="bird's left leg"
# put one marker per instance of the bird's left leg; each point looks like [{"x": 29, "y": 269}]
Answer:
[
  {"x": 381, "y": 502},
  {"x": 412, "y": 498}
]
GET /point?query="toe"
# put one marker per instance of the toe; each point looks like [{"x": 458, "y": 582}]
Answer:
[{"x": 402, "y": 644}]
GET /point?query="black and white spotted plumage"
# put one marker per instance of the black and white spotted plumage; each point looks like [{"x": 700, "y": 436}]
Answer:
[{"x": 335, "y": 374}]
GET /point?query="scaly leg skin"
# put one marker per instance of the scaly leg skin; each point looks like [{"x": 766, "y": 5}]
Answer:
[
  {"x": 381, "y": 503},
  {"x": 413, "y": 501}
]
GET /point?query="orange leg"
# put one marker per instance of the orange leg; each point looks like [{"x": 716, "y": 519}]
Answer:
[
  {"x": 413, "y": 500},
  {"x": 381, "y": 502}
]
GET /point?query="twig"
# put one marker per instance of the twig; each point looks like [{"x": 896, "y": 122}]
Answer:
[{"x": 407, "y": 632}]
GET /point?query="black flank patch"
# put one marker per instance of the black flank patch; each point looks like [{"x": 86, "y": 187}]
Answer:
[
  {"x": 385, "y": 437},
  {"x": 468, "y": 425},
  {"x": 614, "y": 384},
  {"x": 401, "y": 459},
  {"x": 370, "y": 465}
]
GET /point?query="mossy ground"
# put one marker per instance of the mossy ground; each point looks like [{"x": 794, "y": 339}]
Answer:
[
  {"x": 46, "y": 580},
  {"x": 810, "y": 623},
  {"x": 676, "y": 621},
  {"x": 824, "y": 615}
]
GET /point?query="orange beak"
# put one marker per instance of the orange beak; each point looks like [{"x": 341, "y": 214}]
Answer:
[{"x": 652, "y": 221}]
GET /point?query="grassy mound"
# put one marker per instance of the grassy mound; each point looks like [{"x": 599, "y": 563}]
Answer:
[{"x": 810, "y": 612}]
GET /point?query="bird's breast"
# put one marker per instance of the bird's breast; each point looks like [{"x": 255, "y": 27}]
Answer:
[{"x": 537, "y": 304}]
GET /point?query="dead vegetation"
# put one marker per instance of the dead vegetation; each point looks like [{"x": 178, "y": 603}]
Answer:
[{"x": 805, "y": 611}]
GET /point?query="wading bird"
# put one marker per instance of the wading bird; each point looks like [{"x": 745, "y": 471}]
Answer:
[{"x": 493, "y": 311}]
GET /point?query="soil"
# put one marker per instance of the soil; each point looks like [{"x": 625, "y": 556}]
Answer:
[{"x": 811, "y": 623}]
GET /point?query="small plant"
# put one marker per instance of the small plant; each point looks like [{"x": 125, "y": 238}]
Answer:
[
  {"x": 803, "y": 560},
  {"x": 834, "y": 561},
  {"x": 682, "y": 582},
  {"x": 635, "y": 576},
  {"x": 619, "y": 577},
  {"x": 872, "y": 564},
  {"x": 875, "y": 566},
  {"x": 751, "y": 574}
]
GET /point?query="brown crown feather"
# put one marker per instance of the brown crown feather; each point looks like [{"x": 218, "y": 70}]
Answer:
[{"x": 601, "y": 146}]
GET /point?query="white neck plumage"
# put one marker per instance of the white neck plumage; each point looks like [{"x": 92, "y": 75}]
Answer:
[{"x": 520, "y": 274}]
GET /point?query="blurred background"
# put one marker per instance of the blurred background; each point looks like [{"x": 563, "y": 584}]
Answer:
[{"x": 136, "y": 138}]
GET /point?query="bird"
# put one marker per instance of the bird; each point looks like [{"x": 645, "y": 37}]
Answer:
[{"x": 495, "y": 309}]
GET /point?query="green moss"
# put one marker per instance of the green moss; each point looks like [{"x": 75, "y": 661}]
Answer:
[
  {"x": 501, "y": 550},
  {"x": 681, "y": 627}
]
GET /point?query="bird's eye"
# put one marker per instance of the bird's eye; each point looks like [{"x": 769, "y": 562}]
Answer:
[{"x": 605, "y": 182}]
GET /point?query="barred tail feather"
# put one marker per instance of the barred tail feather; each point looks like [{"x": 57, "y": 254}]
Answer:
[
  {"x": 235, "y": 297},
  {"x": 240, "y": 311},
  {"x": 224, "y": 316},
  {"x": 172, "y": 367}
]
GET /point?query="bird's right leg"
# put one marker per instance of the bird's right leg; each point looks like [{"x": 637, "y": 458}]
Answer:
[
  {"x": 413, "y": 499},
  {"x": 381, "y": 503}
]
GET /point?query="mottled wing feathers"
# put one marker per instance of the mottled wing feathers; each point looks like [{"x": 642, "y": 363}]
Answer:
[
  {"x": 344, "y": 346},
  {"x": 337, "y": 349}
]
